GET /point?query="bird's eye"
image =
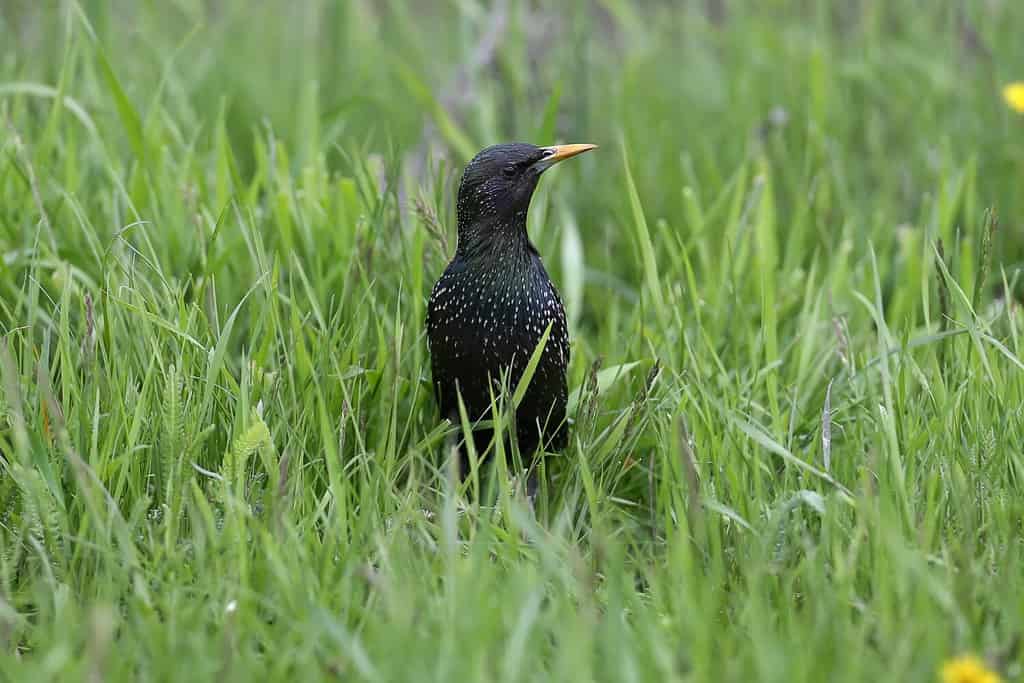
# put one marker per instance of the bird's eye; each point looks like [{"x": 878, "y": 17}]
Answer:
[{"x": 509, "y": 171}]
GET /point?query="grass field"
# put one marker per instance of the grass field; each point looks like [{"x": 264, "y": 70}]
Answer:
[{"x": 801, "y": 457}]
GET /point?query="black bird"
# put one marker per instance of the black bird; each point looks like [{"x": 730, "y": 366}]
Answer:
[{"x": 489, "y": 309}]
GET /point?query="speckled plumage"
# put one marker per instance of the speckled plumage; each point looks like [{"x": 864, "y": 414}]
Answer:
[{"x": 489, "y": 309}]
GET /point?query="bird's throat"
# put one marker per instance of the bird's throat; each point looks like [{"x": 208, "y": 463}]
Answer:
[{"x": 499, "y": 242}]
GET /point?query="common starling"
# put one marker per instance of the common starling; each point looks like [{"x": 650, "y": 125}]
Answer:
[{"x": 490, "y": 308}]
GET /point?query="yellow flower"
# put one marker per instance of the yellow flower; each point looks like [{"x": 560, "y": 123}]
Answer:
[
  {"x": 1013, "y": 93},
  {"x": 968, "y": 669}
]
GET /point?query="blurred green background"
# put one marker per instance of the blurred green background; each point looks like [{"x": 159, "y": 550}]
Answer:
[{"x": 883, "y": 106}]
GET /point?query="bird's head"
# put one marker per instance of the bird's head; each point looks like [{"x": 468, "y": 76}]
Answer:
[{"x": 498, "y": 183}]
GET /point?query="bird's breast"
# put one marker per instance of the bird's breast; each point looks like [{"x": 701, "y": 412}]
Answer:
[{"x": 495, "y": 318}]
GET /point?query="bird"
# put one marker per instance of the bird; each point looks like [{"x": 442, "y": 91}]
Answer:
[{"x": 493, "y": 303}]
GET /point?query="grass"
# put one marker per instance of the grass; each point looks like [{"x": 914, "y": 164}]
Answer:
[{"x": 796, "y": 341}]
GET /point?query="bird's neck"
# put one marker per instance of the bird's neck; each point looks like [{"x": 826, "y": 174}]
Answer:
[{"x": 501, "y": 242}]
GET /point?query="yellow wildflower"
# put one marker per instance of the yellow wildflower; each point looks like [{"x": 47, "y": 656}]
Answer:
[
  {"x": 1013, "y": 93},
  {"x": 968, "y": 669}
]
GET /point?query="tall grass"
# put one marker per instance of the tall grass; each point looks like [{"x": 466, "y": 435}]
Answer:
[{"x": 796, "y": 450}]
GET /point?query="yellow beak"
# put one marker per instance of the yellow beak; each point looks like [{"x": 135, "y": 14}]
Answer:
[{"x": 557, "y": 153}]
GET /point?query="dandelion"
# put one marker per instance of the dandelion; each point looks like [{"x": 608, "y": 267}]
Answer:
[
  {"x": 1013, "y": 93},
  {"x": 968, "y": 669}
]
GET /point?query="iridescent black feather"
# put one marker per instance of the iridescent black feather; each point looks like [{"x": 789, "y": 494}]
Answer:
[{"x": 489, "y": 309}]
